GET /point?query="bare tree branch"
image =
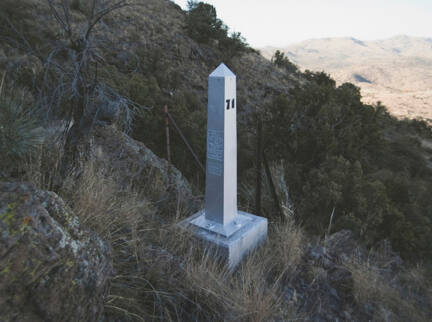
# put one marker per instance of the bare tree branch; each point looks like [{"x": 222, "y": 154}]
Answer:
[
  {"x": 102, "y": 13},
  {"x": 67, "y": 19},
  {"x": 57, "y": 15}
]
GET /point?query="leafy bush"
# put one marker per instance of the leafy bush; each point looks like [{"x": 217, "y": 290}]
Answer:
[{"x": 203, "y": 26}]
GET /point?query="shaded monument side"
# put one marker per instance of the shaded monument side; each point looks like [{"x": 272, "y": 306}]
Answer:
[{"x": 214, "y": 196}]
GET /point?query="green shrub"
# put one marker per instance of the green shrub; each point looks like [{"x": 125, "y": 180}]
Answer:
[
  {"x": 355, "y": 159},
  {"x": 280, "y": 60},
  {"x": 233, "y": 46},
  {"x": 203, "y": 26},
  {"x": 202, "y": 23}
]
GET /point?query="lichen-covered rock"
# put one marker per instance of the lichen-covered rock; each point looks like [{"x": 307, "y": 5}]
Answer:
[{"x": 51, "y": 269}]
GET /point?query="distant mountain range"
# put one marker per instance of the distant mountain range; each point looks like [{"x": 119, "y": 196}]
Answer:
[{"x": 396, "y": 71}]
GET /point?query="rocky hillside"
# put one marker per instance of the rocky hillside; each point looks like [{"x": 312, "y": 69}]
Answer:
[
  {"x": 395, "y": 71},
  {"x": 89, "y": 207},
  {"x": 145, "y": 54},
  {"x": 154, "y": 22},
  {"x": 135, "y": 39}
]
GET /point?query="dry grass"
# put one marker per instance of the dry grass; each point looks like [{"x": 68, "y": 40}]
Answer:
[
  {"x": 123, "y": 218},
  {"x": 286, "y": 247},
  {"x": 42, "y": 167},
  {"x": 162, "y": 275},
  {"x": 102, "y": 206},
  {"x": 252, "y": 293},
  {"x": 389, "y": 297}
]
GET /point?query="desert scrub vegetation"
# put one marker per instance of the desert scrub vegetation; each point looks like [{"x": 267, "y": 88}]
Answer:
[{"x": 161, "y": 273}]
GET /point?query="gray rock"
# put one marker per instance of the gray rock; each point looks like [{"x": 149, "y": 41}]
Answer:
[
  {"x": 133, "y": 164},
  {"x": 320, "y": 256},
  {"x": 342, "y": 245},
  {"x": 51, "y": 269}
]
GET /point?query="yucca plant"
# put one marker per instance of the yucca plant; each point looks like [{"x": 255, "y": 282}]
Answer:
[{"x": 20, "y": 131}]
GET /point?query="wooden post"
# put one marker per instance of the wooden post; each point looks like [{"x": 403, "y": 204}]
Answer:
[
  {"x": 2, "y": 83},
  {"x": 168, "y": 142},
  {"x": 186, "y": 142},
  {"x": 272, "y": 187},
  {"x": 258, "y": 167}
]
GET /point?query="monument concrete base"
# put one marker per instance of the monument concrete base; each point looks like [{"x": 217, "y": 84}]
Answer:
[{"x": 232, "y": 241}]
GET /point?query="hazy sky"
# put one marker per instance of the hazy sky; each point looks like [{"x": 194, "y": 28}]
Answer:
[{"x": 280, "y": 22}]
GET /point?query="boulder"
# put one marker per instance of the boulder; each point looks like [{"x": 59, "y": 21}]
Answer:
[
  {"x": 133, "y": 164},
  {"x": 51, "y": 268},
  {"x": 342, "y": 245}
]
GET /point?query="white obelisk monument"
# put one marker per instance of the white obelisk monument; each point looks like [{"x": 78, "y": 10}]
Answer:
[{"x": 220, "y": 225}]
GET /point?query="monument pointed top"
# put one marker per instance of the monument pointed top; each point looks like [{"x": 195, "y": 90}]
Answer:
[{"x": 222, "y": 71}]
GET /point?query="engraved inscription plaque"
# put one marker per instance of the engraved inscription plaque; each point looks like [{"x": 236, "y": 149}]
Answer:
[
  {"x": 215, "y": 145},
  {"x": 214, "y": 167}
]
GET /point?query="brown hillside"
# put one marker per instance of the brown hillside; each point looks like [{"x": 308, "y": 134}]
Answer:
[{"x": 396, "y": 71}]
